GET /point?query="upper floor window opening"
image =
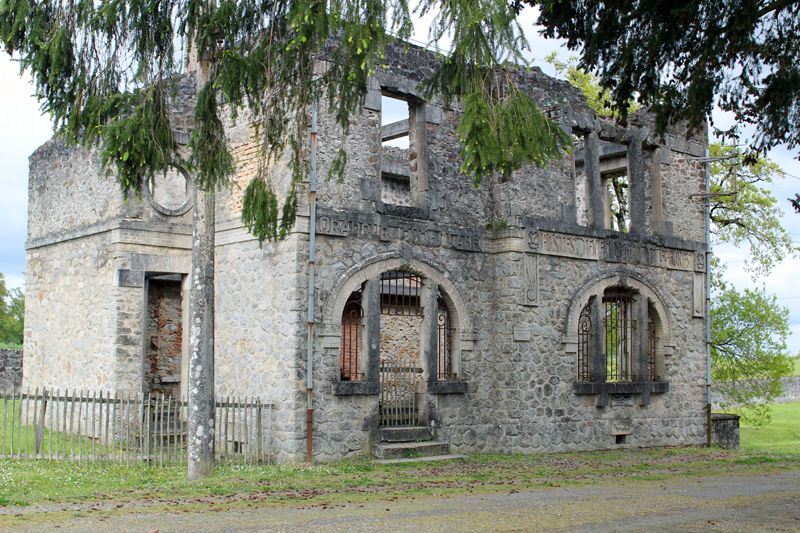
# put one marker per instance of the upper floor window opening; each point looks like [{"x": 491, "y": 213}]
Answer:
[{"x": 395, "y": 151}]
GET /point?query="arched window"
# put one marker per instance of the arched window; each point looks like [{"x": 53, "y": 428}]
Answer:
[
  {"x": 584, "y": 337},
  {"x": 445, "y": 358},
  {"x": 399, "y": 322},
  {"x": 619, "y": 339},
  {"x": 351, "y": 338}
]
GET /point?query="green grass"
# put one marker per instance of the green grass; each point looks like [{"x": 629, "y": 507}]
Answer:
[
  {"x": 5, "y": 346},
  {"x": 781, "y": 435},
  {"x": 32, "y": 482}
]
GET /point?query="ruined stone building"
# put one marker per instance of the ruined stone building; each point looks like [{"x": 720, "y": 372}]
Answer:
[{"x": 512, "y": 317}]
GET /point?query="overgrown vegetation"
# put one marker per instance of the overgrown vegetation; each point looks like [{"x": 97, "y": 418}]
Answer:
[
  {"x": 12, "y": 316},
  {"x": 28, "y": 482}
]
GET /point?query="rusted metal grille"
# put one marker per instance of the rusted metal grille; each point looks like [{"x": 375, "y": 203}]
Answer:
[
  {"x": 398, "y": 393},
  {"x": 351, "y": 338},
  {"x": 619, "y": 326},
  {"x": 445, "y": 362},
  {"x": 652, "y": 341},
  {"x": 400, "y": 293},
  {"x": 584, "y": 334}
]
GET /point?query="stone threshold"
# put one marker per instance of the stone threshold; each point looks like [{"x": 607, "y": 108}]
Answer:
[{"x": 448, "y": 457}]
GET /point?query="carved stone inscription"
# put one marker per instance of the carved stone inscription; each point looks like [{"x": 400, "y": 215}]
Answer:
[
  {"x": 359, "y": 225},
  {"x": 699, "y": 295},
  {"x": 612, "y": 251},
  {"x": 530, "y": 279}
]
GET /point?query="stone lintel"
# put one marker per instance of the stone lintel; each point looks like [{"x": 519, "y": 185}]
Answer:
[
  {"x": 395, "y": 130},
  {"x": 656, "y": 387},
  {"x": 344, "y": 388},
  {"x": 443, "y": 387}
]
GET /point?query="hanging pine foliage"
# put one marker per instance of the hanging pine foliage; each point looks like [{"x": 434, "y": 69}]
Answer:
[{"x": 106, "y": 71}]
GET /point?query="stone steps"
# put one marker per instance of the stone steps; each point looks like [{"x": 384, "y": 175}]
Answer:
[
  {"x": 410, "y": 450},
  {"x": 406, "y": 434},
  {"x": 448, "y": 457}
]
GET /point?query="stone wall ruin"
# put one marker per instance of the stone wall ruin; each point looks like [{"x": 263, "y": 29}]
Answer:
[{"x": 514, "y": 261}]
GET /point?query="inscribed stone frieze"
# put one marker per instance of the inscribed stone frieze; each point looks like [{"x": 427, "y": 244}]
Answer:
[
  {"x": 390, "y": 229},
  {"x": 612, "y": 251}
]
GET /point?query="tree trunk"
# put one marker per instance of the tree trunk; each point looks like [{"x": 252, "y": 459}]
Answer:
[{"x": 201, "y": 347}]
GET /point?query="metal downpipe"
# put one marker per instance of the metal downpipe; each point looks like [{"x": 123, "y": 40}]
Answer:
[
  {"x": 311, "y": 267},
  {"x": 708, "y": 302}
]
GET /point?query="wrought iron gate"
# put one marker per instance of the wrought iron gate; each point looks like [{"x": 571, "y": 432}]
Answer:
[{"x": 398, "y": 406}]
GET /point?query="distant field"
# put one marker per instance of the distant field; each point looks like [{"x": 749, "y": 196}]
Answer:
[
  {"x": 4, "y": 346},
  {"x": 797, "y": 366},
  {"x": 782, "y": 435}
]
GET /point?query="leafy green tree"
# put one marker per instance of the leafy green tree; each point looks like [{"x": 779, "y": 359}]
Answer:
[
  {"x": 106, "y": 72},
  {"x": 680, "y": 60},
  {"x": 748, "y": 349},
  {"x": 752, "y": 216},
  {"x": 597, "y": 97},
  {"x": 748, "y": 328},
  {"x": 12, "y": 314}
]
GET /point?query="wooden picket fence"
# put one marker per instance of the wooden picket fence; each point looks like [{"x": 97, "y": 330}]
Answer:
[{"x": 127, "y": 428}]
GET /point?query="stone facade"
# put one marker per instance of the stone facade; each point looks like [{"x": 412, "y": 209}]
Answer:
[
  {"x": 516, "y": 262},
  {"x": 10, "y": 370}
]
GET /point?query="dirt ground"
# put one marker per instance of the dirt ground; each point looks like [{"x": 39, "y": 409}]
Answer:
[{"x": 738, "y": 502}]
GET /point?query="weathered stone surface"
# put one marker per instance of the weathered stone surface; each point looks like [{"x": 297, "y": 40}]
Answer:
[
  {"x": 10, "y": 370},
  {"x": 725, "y": 432},
  {"x": 510, "y": 259}
]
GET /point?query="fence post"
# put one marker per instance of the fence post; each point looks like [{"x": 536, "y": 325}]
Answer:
[{"x": 40, "y": 424}]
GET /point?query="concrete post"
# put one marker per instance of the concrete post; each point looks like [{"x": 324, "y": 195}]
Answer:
[
  {"x": 429, "y": 332},
  {"x": 640, "y": 368},
  {"x": 371, "y": 332},
  {"x": 201, "y": 347},
  {"x": 594, "y": 184},
  {"x": 597, "y": 362},
  {"x": 636, "y": 188},
  {"x": 418, "y": 154}
]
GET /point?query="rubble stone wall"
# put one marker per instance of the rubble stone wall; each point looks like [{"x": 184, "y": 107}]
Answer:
[{"x": 10, "y": 370}]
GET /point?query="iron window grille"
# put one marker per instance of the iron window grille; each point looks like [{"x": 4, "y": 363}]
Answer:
[
  {"x": 400, "y": 294},
  {"x": 351, "y": 338},
  {"x": 444, "y": 364}
]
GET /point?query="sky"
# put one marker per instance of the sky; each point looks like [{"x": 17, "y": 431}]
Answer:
[{"x": 24, "y": 129}]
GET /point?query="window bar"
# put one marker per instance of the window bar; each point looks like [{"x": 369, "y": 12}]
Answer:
[
  {"x": 351, "y": 339},
  {"x": 445, "y": 364},
  {"x": 651, "y": 347},
  {"x": 584, "y": 332}
]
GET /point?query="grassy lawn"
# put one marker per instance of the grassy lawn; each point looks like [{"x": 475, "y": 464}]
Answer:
[
  {"x": 48, "y": 483},
  {"x": 782, "y": 435},
  {"x": 5, "y": 346}
]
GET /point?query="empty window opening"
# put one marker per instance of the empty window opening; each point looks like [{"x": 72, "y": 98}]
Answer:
[
  {"x": 619, "y": 326},
  {"x": 620, "y": 439},
  {"x": 352, "y": 327},
  {"x": 395, "y": 151},
  {"x": 164, "y": 337},
  {"x": 618, "y": 212}
]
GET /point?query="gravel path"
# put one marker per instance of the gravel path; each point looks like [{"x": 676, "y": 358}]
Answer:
[{"x": 750, "y": 503}]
